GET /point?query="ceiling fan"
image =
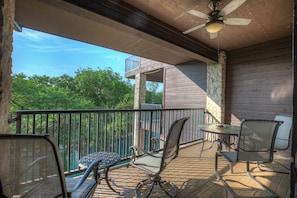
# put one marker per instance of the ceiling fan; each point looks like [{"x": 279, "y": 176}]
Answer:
[{"x": 215, "y": 20}]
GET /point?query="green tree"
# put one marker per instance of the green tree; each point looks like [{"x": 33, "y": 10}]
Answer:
[
  {"x": 152, "y": 95},
  {"x": 104, "y": 87},
  {"x": 43, "y": 92}
]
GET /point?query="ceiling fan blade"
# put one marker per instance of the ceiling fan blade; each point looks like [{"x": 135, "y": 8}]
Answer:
[
  {"x": 233, "y": 5},
  {"x": 198, "y": 14},
  {"x": 237, "y": 21},
  {"x": 193, "y": 29},
  {"x": 213, "y": 35}
]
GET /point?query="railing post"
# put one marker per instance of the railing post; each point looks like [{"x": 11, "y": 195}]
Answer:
[{"x": 18, "y": 122}]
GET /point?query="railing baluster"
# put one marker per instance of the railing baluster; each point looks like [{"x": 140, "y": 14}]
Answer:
[
  {"x": 112, "y": 131},
  {"x": 150, "y": 131},
  {"x": 105, "y": 132},
  {"x": 58, "y": 127},
  {"x": 69, "y": 143},
  {"x": 119, "y": 145},
  {"x": 79, "y": 136},
  {"x": 97, "y": 132}
]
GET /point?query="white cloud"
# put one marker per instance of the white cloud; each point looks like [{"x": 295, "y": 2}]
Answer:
[{"x": 33, "y": 36}]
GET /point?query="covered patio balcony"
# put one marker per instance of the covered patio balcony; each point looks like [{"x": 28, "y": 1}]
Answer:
[{"x": 247, "y": 72}]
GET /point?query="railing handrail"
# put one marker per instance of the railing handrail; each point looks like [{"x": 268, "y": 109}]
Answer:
[{"x": 98, "y": 110}]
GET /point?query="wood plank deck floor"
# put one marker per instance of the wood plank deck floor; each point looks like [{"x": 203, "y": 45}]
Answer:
[{"x": 194, "y": 177}]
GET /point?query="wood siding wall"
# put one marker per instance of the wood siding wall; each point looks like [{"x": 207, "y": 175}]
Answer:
[
  {"x": 259, "y": 81},
  {"x": 185, "y": 86}
]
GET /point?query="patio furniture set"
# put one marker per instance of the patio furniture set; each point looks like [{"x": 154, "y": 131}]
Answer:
[{"x": 31, "y": 166}]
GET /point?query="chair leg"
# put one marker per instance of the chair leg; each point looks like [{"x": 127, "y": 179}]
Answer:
[
  {"x": 229, "y": 189},
  {"x": 172, "y": 186},
  {"x": 276, "y": 162},
  {"x": 145, "y": 188},
  {"x": 140, "y": 185},
  {"x": 272, "y": 194}
]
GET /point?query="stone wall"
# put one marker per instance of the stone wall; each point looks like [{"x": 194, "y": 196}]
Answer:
[
  {"x": 139, "y": 97},
  {"x": 6, "y": 32},
  {"x": 216, "y": 85}
]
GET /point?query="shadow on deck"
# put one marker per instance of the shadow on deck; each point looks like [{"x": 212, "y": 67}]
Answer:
[{"x": 194, "y": 177}]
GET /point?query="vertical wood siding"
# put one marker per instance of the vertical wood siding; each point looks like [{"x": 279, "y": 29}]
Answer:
[
  {"x": 185, "y": 86},
  {"x": 259, "y": 81}
]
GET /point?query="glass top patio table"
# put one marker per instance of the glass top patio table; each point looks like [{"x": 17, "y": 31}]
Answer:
[
  {"x": 224, "y": 131},
  {"x": 220, "y": 129}
]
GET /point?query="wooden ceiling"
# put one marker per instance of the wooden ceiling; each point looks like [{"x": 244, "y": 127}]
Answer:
[
  {"x": 270, "y": 19},
  {"x": 154, "y": 29}
]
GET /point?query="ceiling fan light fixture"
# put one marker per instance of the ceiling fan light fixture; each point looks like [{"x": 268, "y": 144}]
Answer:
[{"x": 214, "y": 26}]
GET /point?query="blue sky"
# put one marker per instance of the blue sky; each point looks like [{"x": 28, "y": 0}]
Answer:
[{"x": 38, "y": 53}]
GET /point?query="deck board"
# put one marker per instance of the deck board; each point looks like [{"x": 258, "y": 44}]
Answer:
[{"x": 194, "y": 177}]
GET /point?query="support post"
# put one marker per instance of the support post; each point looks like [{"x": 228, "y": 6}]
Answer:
[
  {"x": 7, "y": 8},
  {"x": 216, "y": 85},
  {"x": 139, "y": 97}
]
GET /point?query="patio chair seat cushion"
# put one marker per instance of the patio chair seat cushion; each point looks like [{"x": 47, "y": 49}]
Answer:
[
  {"x": 282, "y": 140},
  {"x": 84, "y": 190},
  {"x": 149, "y": 164},
  {"x": 281, "y": 144}
]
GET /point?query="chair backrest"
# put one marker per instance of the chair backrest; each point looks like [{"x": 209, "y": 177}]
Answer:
[
  {"x": 30, "y": 166},
  {"x": 282, "y": 141},
  {"x": 256, "y": 140},
  {"x": 171, "y": 147}
]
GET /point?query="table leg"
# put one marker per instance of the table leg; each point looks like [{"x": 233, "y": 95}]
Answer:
[
  {"x": 206, "y": 139},
  {"x": 108, "y": 181}
]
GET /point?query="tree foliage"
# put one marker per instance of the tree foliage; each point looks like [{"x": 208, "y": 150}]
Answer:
[
  {"x": 43, "y": 92},
  {"x": 152, "y": 94},
  {"x": 104, "y": 87},
  {"x": 88, "y": 89}
]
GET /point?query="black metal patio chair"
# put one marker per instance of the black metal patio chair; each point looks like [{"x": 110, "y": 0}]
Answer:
[
  {"x": 30, "y": 166},
  {"x": 153, "y": 163},
  {"x": 255, "y": 145}
]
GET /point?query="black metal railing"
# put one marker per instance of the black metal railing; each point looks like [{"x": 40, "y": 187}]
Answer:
[{"x": 80, "y": 132}]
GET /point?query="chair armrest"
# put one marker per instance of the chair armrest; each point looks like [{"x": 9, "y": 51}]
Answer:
[
  {"x": 155, "y": 140},
  {"x": 136, "y": 150},
  {"x": 93, "y": 167}
]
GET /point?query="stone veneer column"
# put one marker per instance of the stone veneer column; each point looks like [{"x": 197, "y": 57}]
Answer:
[
  {"x": 140, "y": 90},
  {"x": 216, "y": 84},
  {"x": 6, "y": 32},
  {"x": 139, "y": 97}
]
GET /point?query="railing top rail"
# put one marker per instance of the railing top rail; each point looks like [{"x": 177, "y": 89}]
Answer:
[{"x": 97, "y": 110}]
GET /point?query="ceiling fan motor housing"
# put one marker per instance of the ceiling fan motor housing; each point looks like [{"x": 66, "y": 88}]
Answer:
[{"x": 214, "y": 15}]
